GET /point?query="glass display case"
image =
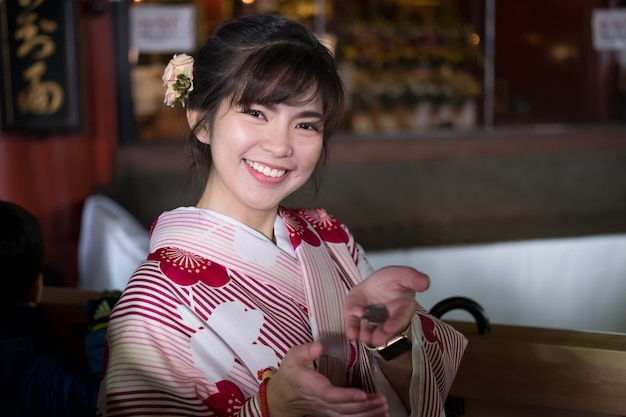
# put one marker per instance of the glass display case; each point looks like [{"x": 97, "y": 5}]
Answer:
[
  {"x": 413, "y": 67},
  {"x": 410, "y": 67}
]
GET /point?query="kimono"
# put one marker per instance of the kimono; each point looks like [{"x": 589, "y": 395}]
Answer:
[{"x": 215, "y": 302}]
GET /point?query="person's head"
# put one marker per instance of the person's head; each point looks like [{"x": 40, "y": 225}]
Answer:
[
  {"x": 266, "y": 60},
  {"x": 21, "y": 256}
]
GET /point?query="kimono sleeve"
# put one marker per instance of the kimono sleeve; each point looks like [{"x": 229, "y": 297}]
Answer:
[
  {"x": 149, "y": 369},
  {"x": 437, "y": 352}
]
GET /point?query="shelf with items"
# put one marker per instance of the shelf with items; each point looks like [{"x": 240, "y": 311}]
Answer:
[{"x": 410, "y": 76}]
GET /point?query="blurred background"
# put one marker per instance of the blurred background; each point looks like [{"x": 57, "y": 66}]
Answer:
[
  {"x": 408, "y": 65},
  {"x": 469, "y": 122}
]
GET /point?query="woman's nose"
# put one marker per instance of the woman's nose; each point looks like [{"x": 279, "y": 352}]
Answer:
[{"x": 277, "y": 140}]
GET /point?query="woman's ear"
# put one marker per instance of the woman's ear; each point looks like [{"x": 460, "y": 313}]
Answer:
[{"x": 201, "y": 132}]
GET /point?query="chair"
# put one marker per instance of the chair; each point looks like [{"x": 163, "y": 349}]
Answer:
[{"x": 111, "y": 244}]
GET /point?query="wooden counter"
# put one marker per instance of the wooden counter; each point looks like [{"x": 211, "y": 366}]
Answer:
[
  {"x": 524, "y": 371},
  {"x": 510, "y": 372}
]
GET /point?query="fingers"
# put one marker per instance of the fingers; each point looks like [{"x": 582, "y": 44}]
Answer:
[
  {"x": 395, "y": 286},
  {"x": 407, "y": 277},
  {"x": 368, "y": 405},
  {"x": 419, "y": 281},
  {"x": 303, "y": 355},
  {"x": 297, "y": 389},
  {"x": 341, "y": 395},
  {"x": 314, "y": 350},
  {"x": 400, "y": 310},
  {"x": 353, "y": 326}
]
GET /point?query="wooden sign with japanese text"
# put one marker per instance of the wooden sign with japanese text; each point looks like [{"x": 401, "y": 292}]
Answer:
[{"x": 39, "y": 89}]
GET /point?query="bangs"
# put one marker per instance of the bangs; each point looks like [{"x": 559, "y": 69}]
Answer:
[{"x": 288, "y": 73}]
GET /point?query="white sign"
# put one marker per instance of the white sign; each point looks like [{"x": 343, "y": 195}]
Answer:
[
  {"x": 609, "y": 29},
  {"x": 163, "y": 28}
]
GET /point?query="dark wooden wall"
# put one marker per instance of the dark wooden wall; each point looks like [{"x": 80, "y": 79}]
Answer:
[
  {"x": 546, "y": 68},
  {"x": 52, "y": 175}
]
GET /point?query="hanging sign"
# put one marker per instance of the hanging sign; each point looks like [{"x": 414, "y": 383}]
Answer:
[
  {"x": 39, "y": 83},
  {"x": 163, "y": 28},
  {"x": 609, "y": 29}
]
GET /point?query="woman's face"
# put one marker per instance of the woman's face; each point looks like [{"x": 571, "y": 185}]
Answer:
[{"x": 261, "y": 154}]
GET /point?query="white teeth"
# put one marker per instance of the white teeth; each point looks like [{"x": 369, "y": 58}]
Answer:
[{"x": 265, "y": 170}]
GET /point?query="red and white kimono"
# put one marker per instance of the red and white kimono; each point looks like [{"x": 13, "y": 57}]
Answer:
[{"x": 216, "y": 301}]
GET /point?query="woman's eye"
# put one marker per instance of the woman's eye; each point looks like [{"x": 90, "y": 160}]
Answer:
[
  {"x": 254, "y": 113},
  {"x": 309, "y": 126}
]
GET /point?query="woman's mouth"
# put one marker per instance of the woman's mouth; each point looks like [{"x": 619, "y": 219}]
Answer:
[{"x": 265, "y": 170}]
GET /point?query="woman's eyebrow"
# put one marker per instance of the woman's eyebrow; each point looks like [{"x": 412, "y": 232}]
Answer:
[
  {"x": 314, "y": 114},
  {"x": 311, "y": 113}
]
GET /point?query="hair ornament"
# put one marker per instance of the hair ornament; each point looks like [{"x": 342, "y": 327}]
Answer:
[{"x": 178, "y": 79}]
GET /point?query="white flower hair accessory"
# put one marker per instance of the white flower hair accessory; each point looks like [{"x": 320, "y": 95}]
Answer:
[{"x": 178, "y": 78}]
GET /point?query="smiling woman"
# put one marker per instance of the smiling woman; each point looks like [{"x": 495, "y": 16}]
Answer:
[
  {"x": 245, "y": 307},
  {"x": 260, "y": 156}
]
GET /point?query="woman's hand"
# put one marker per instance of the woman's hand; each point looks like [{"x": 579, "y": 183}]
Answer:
[
  {"x": 393, "y": 286},
  {"x": 297, "y": 390}
]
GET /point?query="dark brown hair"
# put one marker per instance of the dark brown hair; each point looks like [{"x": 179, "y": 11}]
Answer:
[{"x": 21, "y": 253}]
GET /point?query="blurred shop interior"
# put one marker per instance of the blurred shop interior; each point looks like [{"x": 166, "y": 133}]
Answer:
[
  {"x": 409, "y": 66},
  {"x": 468, "y": 121}
]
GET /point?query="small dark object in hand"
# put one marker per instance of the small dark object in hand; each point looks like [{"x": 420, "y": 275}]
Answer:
[{"x": 375, "y": 314}]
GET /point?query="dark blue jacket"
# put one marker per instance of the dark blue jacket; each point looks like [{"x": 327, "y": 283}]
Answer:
[{"x": 34, "y": 382}]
